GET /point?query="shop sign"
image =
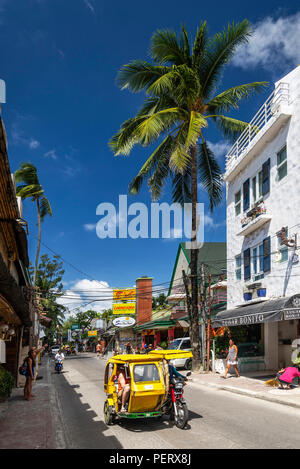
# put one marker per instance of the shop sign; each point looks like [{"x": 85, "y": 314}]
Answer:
[
  {"x": 124, "y": 322},
  {"x": 124, "y": 308},
  {"x": 124, "y": 294},
  {"x": 92, "y": 333},
  {"x": 292, "y": 314},
  {"x": 244, "y": 320},
  {"x": 75, "y": 327}
]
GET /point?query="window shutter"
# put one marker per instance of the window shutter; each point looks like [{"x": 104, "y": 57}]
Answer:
[
  {"x": 267, "y": 254},
  {"x": 247, "y": 270},
  {"x": 266, "y": 177},
  {"x": 246, "y": 198}
]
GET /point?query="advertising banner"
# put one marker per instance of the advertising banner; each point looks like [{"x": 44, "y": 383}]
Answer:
[
  {"x": 92, "y": 333},
  {"x": 124, "y": 294},
  {"x": 124, "y": 308}
]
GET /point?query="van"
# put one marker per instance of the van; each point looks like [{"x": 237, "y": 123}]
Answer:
[{"x": 182, "y": 343}]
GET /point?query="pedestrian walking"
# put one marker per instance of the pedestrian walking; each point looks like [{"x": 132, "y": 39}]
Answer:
[
  {"x": 231, "y": 359},
  {"x": 98, "y": 349},
  {"x": 129, "y": 348},
  {"x": 31, "y": 364}
]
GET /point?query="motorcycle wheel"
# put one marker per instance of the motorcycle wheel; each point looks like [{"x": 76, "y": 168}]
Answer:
[
  {"x": 109, "y": 417},
  {"x": 182, "y": 415}
]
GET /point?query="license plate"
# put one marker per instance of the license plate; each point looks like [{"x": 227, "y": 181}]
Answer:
[{"x": 148, "y": 386}]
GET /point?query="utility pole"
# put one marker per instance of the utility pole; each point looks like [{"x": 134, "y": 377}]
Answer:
[
  {"x": 202, "y": 299},
  {"x": 208, "y": 324}
]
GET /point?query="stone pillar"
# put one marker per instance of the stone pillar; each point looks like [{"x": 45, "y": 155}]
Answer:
[{"x": 271, "y": 345}]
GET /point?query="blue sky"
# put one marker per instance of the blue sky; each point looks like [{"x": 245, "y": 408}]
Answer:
[{"x": 59, "y": 60}]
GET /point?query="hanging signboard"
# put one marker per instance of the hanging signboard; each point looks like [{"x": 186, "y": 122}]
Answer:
[
  {"x": 124, "y": 321},
  {"x": 124, "y": 308},
  {"x": 124, "y": 294},
  {"x": 75, "y": 327},
  {"x": 92, "y": 333}
]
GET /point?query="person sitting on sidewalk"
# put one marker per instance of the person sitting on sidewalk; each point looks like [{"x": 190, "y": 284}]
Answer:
[
  {"x": 231, "y": 359},
  {"x": 286, "y": 378}
]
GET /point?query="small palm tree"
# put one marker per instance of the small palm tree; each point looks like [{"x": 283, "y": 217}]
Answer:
[
  {"x": 31, "y": 188},
  {"x": 181, "y": 100}
]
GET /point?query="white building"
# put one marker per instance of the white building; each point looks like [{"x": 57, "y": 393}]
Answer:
[{"x": 263, "y": 196}]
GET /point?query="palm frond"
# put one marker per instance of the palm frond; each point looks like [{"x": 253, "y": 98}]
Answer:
[
  {"x": 197, "y": 122},
  {"x": 181, "y": 192},
  {"x": 159, "y": 177},
  {"x": 199, "y": 45},
  {"x": 219, "y": 52},
  {"x": 185, "y": 46},
  {"x": 230, "y": 98},
  {"x": 210, "y": 174},
  {"x": 231, "y": 128},
  {"x": 154, "y": 125},
  {"x": 26, "y": 191},
  {"x": 163, "y": 150},
  {"x": 45, "y": 207},
  {"x": 165, "y": 48},
  {"x": 27, "y": 173},
  {"x": 138, "y": 75},
  {"x": 124, "y": 140},
  {"x": 156, "y": 103}
]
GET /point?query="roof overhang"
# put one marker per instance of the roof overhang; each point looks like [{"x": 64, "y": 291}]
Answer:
[{"x": 283, "y": 308}]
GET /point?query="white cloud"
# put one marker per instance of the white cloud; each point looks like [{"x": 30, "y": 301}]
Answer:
[
  {"x": 219, "y": 149},
  {"x": 79, "y": 297},
  {"x": 33, "y": 144},
  {"x": 211, "y": 224},
  {"x": 274, "y": 44},
  {"x": 51, "y": 154}
]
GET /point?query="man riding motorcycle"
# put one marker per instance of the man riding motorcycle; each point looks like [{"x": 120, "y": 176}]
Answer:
[{"x": 59, "y": 358}]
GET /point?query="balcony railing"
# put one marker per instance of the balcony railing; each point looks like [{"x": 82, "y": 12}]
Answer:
[{"x": 268, "y": 110}]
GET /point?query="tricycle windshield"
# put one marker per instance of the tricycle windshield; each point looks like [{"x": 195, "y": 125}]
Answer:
[{"x": 145, "y": 372}]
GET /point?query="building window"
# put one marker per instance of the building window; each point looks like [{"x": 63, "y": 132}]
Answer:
[
  {"x": 258, "y": 259},
  {"x": 266, "y": 177},
  {"x": 238, "y": 267},
  {"x": 281, "y": 163},
  {"x": 246, "y": 195},
  {"x": 237, "y": 203},
  {"x": 282, "y": 248},
  {"x": 257, "y": 186}
]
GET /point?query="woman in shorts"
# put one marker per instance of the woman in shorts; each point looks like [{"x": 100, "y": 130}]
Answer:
[{"x": 231, "y": 359}]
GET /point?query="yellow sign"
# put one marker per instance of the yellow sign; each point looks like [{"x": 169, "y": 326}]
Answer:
[
  {"x": 125, "y": 294},
  {"x": 92, "y": 333},
  {"x": 124, "y": 308}
]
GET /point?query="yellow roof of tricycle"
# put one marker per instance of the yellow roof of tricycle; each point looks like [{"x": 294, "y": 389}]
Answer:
[
  {"x": 154, "y": 355},
  {"x": 171, "y": 354}
]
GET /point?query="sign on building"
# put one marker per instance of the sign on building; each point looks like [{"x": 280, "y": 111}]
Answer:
[
  {"x": 92, "y": 333},
  {"x": 75, "y": 327},
  {"x": 124, "y": 294},
  {"x": 124, "y": 308},
  {"x": 124, "y": 321}
]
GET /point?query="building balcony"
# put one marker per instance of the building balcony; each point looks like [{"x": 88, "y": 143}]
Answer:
[
  {"x": 266, "y": 123},
  {"x": 254, "y": 224}
]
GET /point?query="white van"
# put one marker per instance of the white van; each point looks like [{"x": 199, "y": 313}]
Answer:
[{"x": 182, "y": 343}]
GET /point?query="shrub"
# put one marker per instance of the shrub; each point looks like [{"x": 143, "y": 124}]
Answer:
[{"x": 6, "y": 383}]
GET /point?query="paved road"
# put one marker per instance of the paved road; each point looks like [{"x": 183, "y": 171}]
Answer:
[{"x": 218, "y": 419}]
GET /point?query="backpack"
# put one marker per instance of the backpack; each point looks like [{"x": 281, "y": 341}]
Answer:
[{"x": 23, "y": 369}]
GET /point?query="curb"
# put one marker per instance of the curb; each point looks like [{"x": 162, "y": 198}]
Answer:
[{"x": 248, "y": 393}]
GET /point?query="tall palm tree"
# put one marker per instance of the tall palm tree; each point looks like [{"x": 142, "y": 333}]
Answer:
[
  {"x": 181, "y": 87},
  {"x": 31, "y": 188}
]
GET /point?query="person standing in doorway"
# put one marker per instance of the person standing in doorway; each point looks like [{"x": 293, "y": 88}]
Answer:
[{"x": 231, "y": 359}]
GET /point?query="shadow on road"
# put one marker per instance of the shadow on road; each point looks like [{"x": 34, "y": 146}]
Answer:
[{"x": 82, "y": 427}]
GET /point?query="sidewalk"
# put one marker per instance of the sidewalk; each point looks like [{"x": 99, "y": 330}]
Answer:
[
  {"x": 29, "y": 424},
  {"x": 246, "y": 386}
]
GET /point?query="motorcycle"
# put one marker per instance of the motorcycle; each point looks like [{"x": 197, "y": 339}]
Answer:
[
  {"x": 58, "y": 366},
  {"x": 175, "y": 404}
]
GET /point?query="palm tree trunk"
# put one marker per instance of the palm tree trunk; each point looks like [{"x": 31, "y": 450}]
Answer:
[
  {"x": 194, "y": 327},
  {"x": 39, "y": 241}
]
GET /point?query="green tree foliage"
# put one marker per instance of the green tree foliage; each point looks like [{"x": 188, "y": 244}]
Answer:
[{"x": 49, "y": 277}]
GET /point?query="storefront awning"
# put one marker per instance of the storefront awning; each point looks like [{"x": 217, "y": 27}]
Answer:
[{"x": 284, "y": 308}]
